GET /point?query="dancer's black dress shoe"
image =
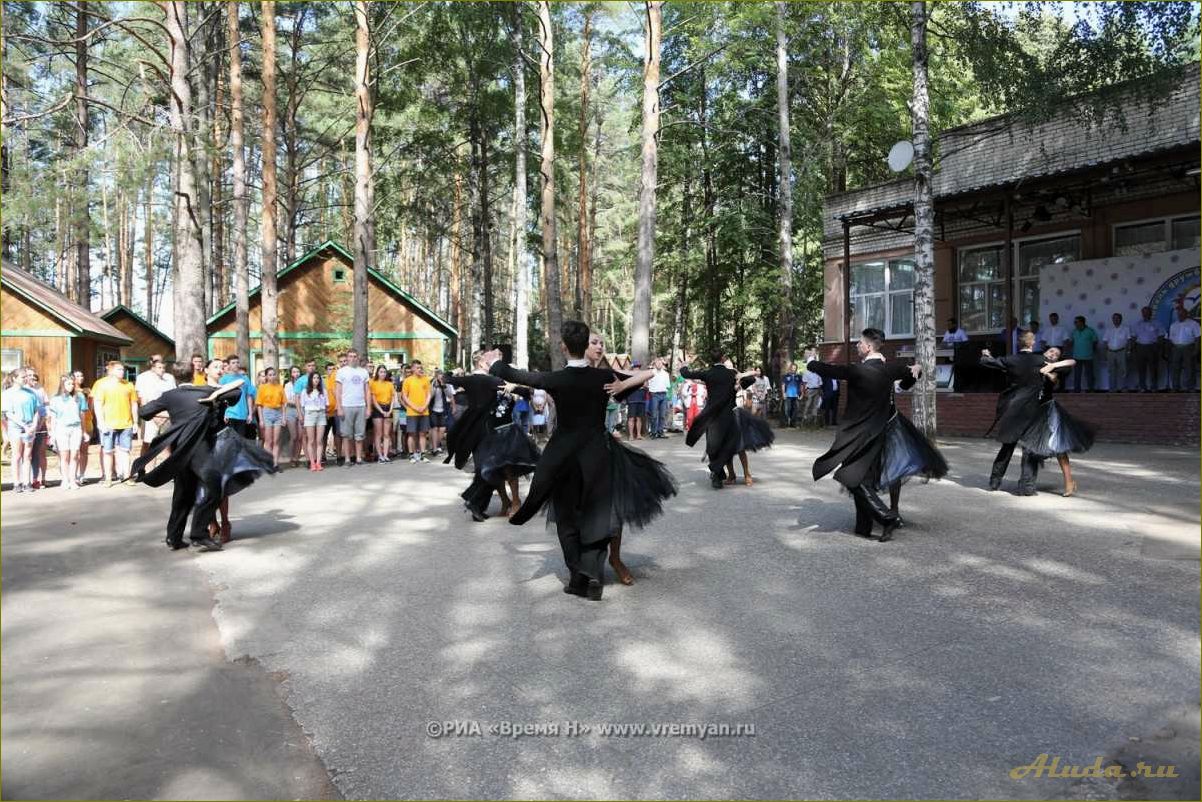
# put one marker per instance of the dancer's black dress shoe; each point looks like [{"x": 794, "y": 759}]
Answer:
[
  {"x": 477, "y": 515},
  {"x": 594, "y": 590},
  {"x": 716, "y": 481},
  {"x": 206, "y": 544},
  {"x": 577, "y": 585},
  {"x": 887, "y": 534},
  {"x": 183, "y": 544}
]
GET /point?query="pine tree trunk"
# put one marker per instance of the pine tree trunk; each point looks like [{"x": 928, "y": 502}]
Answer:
[
  {"x": 83, "y": 220},
  {"x": 640, "y": 333},
  {"x": 456, "y": 301},
  {"x": 583, "y": 245},
  {"x": 364, "y": 242},
  {"x": 521, "y": 347},
  {"x": 592, "y": 215},
  {"x": 188, "y": 294},
  {"x": 924, "y": 225},
  {"x": 785, "y": 188},
  {"x": 547, "y": 221},
  {"x": 148, "y": 248},
  {"x": 268, "y": 293},
  {"x": 476, "y": 314},
  {"x": 127, "y": 269},
  {"x": 241, "y": 201},
  {"x": 202, "y": 129}
]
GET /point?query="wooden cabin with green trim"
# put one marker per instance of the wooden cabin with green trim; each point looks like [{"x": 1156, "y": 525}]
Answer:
[
  {"x": 315, "y": 314},
  {"x": 147, "y": 340},
  {"x": 45, "y": 330}
]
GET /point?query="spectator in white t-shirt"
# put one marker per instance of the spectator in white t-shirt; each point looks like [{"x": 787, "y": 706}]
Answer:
[
  {"x": 149, "y": 385},
  {"x": 350, "y": 392},
  {"x": 1057, "y": 335},
  {"x": 954, "y": 334}
]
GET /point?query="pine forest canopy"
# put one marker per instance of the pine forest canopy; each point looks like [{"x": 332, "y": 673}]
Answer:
[{"x": 654, "y": 139}]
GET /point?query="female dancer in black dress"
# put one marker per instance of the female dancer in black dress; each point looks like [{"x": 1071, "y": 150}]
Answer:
[
  {"x": 495, "y": 459},
  {"x": 1055, "y": 432},
  {"x": 724, "y": 431},
  {"x": 591, "y": 484},
  {"x": 876, "y": 447},
  {"x": 754, "y": 433},
  {"x": 506, "y": 453}
]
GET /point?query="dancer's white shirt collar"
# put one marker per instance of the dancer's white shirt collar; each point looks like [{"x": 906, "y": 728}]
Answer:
[{"x": 577, "y": 363}]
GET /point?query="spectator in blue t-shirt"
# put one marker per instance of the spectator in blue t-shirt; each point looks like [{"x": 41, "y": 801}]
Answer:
[
  {"x": 792, "y": 383},
  {"x": 21, "y": 406},
  {"x": 238, "y": 416}
]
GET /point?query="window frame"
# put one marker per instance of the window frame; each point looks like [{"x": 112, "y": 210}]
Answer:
[
  {"x": 886, "y": 295},
  {"x": 1166, "y": 222},
  {"x": 1017, "y": 278},
  {"x": 20, "y": 352}
]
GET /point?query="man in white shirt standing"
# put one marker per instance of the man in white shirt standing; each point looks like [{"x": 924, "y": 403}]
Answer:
[
  {"x": 1183, "y": 335},
  {"x": 954, "y": 334},
  {"x": 350, "y": 393},
  {"x": 1057, "y": 335},
  {"x": 811, "y": 392},
  {"x": 1118, "y": 340},
  {"x": 657, "y": 386},
  {"x": 1149, "y": 346},
  {"x": 149, "y": 385}
]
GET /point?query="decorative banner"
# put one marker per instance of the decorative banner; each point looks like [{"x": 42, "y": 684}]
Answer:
[{"x": 1097, "y": 288}]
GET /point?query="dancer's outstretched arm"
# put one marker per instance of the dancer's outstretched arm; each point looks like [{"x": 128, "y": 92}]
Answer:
[
  {"x": 1053, "y": 366},
  {"x": 630, "y": 382},
  {"x": 530, "y": 378},
  {"x": 829, "y": 371}
]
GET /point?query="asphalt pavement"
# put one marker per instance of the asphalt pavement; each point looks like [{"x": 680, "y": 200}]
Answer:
[{"x": 359, "y": 614}]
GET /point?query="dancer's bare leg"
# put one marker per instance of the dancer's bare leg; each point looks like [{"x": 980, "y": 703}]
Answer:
[
  {"x": 747, "y": 480},
  {"x": 730, "y": 473},
  {"x": 1066, "y": 468},
  {"x": 615, "y": 560},
  {"x": 515, "y": 500}
]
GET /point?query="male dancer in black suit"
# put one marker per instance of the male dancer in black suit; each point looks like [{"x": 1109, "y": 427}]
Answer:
[
  {"x": 1017, "y": 408},
  {"x": 196, "y": 412},
  {"x": 575, "y": 473}
]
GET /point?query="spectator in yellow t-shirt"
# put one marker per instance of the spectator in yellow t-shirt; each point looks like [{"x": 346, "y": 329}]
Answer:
[
  {"x": 332, "y": 411},
  {"x": 416, "y": 394},
  {"x": 270, "y": 398},
  {"x": 382, "y": 400},
  {"x": 116, "y": 405},
  {"x": 198, "y": 370}
]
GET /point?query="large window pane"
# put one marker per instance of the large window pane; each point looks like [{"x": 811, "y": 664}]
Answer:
[
  {"x": 868, "y": 277},
  {"x": 973, "y": 307},
  {"x": 1185, "y": 233},
  {"x": 1028, "y": 302},
  {"x": 869, "y": 311},
  {"x": 997, "y": 306},
  {"x": 1139, "y": 238},
  {"x": 982, "y": 264},
  {"x": 1034, "y": 255},
  {"x": 901, "y": 275},
  {"x": 901, "y": 310}
]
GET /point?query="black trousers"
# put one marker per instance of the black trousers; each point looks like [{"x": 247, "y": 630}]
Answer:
[
  {"x": 478, "y": 494},
  {"x": 1002, "y": 461},
  {"x": 830, "y": 408},
  {"x": 183, "y": 502}
]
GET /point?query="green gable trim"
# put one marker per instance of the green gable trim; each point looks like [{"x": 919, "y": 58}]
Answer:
[
  {"x": 38, "y": 333},
  {"x": 335, "y": 335},
  {"x": 110, "y": 314},
  {"x": 371, "y": 271}
]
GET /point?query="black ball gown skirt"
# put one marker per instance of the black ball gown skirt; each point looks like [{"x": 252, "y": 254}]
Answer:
[
  {"x": 1055, "y": 431},
  {"x": 754, "y": 433},
  {"x": 907, "y": 453},
  {"x": 234, "y": 464},
  {"x": 506, "y": 449},
  {"x": 640, "y": 484}
]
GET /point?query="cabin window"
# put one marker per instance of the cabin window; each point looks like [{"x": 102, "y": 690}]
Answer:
[
  {"x": 1156, "y": 236},
  {"x": 12, "y": 359},
  {"x": 340, "y": 275},
  {"x": 882, "y": 296}
]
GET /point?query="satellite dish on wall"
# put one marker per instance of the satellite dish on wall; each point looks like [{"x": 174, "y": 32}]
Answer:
[{"x": 900, "y": 155}]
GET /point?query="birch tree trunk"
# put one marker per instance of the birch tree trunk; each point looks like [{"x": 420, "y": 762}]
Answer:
[
  {"x": 363, "y": 176},
  {"x": 241, "y": 201},
  {"x": 148, "y": 248},
  {"x": 547, "y": 221},
  {"x": 924, "y": 225},
  {"x": 640, "y": 324},
  {"x": 521, "y": 347},
  {"x": 268, "y": 293},
  {"x": 785, "y": 189},
  {"x": 188, "y": 299}
]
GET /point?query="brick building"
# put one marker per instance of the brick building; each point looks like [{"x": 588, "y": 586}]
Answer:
[{"x": 1064, "y": 216}]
